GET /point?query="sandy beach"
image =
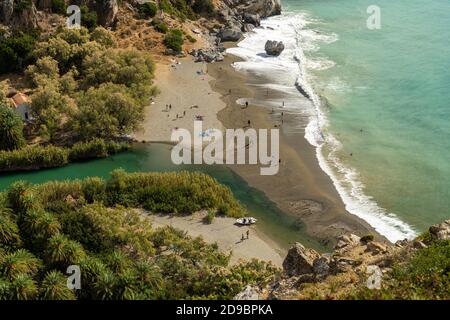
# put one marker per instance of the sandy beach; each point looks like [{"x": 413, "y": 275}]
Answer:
[
  {"x": 227, "y": 235},
  {"x": 185, "y": 87},
  {"x": 300, "y": 188}
]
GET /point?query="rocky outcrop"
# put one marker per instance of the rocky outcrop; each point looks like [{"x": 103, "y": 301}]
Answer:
[
  {"x": 265, "y": 8},
  {"x": 211, "y": 55},
  {"x": 346, "y": 242},
  {"x": 441, "y": 231},
  {"x": 229, "y": 34},
  {"x": 25, "y": 18},
  {"x": 249, "y": 293},
  {"x": 106, "y": 12},
  {"x": 299, "y": 260},
  {"x": 274, "y": 48}
]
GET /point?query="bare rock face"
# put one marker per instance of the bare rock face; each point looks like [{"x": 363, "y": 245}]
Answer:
[
  {"x": 26, "y": 17},
  {"x": 299, "y": 260},
  {"x": 249, "y": 293},
  {"x": 106, "y": 12},
  {"x": 441, "y": 231},
  {"x": 6, "y": 10},
  {"x": 274, "y": 48}
]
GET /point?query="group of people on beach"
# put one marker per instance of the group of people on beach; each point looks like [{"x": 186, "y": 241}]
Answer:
[{"x": 244, "y": 238}]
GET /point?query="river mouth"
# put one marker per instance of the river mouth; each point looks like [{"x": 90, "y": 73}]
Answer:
[{"x": 273, "y": 223}]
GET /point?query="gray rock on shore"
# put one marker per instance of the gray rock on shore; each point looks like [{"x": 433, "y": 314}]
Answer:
[
  {"x": 274, "y": 48},
  {"x": 229, "y": 34}
]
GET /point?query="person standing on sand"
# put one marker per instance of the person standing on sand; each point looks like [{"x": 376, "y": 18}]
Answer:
[
  {"x": 242, "y": 237},
  {"x": 248, "y": 122},
  {"x": 248, "y": 233}
]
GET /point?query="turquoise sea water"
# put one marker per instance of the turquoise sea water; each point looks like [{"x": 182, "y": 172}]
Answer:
[{"x": 394, "y": 85}]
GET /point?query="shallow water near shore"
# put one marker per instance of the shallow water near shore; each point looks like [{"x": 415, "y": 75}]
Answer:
[{"x": 272, "y": 222}]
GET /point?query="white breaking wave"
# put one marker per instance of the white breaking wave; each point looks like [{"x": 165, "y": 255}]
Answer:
[{"x": 290, "y": 70}]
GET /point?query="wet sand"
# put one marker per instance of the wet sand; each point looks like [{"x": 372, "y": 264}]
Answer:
[{"x": 300, "y": 188}]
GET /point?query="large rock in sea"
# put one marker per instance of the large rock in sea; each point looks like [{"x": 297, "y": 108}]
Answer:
[
  {"x": 274, "y": 48},
  {"x": 441, "y": 231},
  {"x": 106, "y": 12},
  {"x": 228, "y": 34},
  {"x": 299, "y": 260}
]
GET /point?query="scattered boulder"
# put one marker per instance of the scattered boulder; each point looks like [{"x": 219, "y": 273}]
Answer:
[
  {"x": 274, "y": 48},
  {"x": 247, "y": 27},
  {"x": 342, "y": 264},
  {"x": 228, "y": 34},
  {"x": 376, "y": 247},
  {"x": 249, "y": 293},
  {"x": 299, "y": 260},
  {"x": 253, "y": 19},
  {"x": 441, "y": 231},
  {"x": 346, "y": 241},
  {"x": 321, "y": 266}
]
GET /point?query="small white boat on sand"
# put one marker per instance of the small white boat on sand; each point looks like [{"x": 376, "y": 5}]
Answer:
[{"x": 246, "y": 221}]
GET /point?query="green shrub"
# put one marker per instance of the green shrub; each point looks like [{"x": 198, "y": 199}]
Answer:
[
  {"x": 96, "y": 148},
  {"x": 16, "y": 51},
  {"x": 209, "y": 218},
  {"x": 174, "y": 40},
  {"x": 88, "y": 18},
  {"x": 11, "y": 129},
  {"x": 367, "y": 238},
  {"x": 21, "y": 5},
  {"x": 203, "y": 7},
  {"x": 148, "y": 9},
  {"x": 59, "y": 6},
  {"x": 160, "y": 26},
  {"x": 191, "y": 38}
]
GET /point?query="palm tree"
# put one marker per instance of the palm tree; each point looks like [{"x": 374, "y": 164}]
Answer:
[
  {"x": 11, "y": 129},
  {"x": 54, "y": 287},
  {"x": 62, "y": 252},
  {"x": 39, "y": 226},
  {"x": 149, "y": 279},
  {"x": 105, "y": 287},
  {"x": 23, "y": 287},
  {"x": 18, "y": 263},
  {"x": 9, "y": 232}
]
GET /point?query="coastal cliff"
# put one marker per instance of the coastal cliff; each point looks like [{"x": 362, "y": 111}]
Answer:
[{"x": 361, "y": 268}]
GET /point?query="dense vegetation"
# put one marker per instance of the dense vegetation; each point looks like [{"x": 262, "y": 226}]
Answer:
[
  {"x": 16, "y": 51},
  {"x": 174, "y": 40},
  {"x": 85, "y": 87},
  {"x": 44, "y": 229},
  {"x": 40, "y": 157},
  {"x": 11, "y": 127}
]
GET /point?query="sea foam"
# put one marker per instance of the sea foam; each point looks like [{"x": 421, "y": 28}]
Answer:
[{"x": 290, "y": 70}]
